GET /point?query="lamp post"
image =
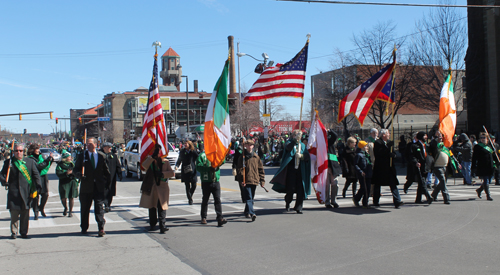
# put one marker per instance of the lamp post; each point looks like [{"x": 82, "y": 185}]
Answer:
[{"x": 187, "y": 103}]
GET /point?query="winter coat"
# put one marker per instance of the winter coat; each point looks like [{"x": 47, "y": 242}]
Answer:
[
  {"x": 154, "y": 188},
  {"x": 361, "y": 164},
  {"x": 207, "y": 173},
  {"x": 18, "y": 196},
  {"x": 483, "y": 161},
  {"x": 465, "y": 149},
  {"x": 348, "y": 170},
  {"x": 188, "y": 158},
  {"x": 383, "y": 172},
  {"x": 44, "y": 180},
  {"x": 98, "y": 177},
  {"x": 254, "y": 170},
  {"x": 115, "y": 171},
  {"x": 333, "y": 162}
]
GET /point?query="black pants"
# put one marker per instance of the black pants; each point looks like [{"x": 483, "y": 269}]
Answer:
[
  {"x": 396, "y": 198},
  {"x": 39, "y": 202},
  {"x": 154, "y": 218},
  {"x": 211, "y": 188},
  {"x": 190, "y": 188},
  {"x": 85, "y": 205},
  {"x": 422, "y": 188},
  {"x": 364, "y": 190},
  {"x": 295, "y": 187},
  {"x": 348, "y": 182}
]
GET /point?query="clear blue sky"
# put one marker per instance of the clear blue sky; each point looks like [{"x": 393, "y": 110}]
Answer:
[{"x": 58, "y": 55}]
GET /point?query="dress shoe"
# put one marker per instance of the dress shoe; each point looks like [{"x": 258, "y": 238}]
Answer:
[
  {"x": 13, "y": 236},
  {"x": 70, "y": 214},
  {"x": 84, "y": 232},
  {"x": 429, "y": 201},
  {"x": 405, "y": 191},
  {"x": 329, "y": 206},
  {"x": 418, "y": 202},
  {"x": 43, "y": 213},
  {"x": 254, "y": 217},
  {"x": 65, "y": 212},
  {"x": 101, "y": 233},
  {"x": 24, "y": 236},
  {"x": 343, "y": 193},
  {"x": 489, "y": 198},
  {"x": 367, "y": 207},
  {"x": 163, "y": 230},
  {"x": 247, "y": 215},
  {"x": 106, "y": 209},
  {"x": 398, "y": 204},
  {"x": 221, "y": 222},
  {"x": 447, "y": 202},
  {"x": 299, "y": 211},
  {"x": 287, "y": 207},
  {"x": 335, "y": 205},
  {"x": 190, "y": 202},
  {"x": 151, "y": 228},
  {"x": 203, "y": 221},
  {"x": 356, "y": 203},
  {"x": 36, "y": 216},
  {"x": 435, "y": 199},
  {"x": 478, "y": 193},
  {"x": 376, "y": 205}
]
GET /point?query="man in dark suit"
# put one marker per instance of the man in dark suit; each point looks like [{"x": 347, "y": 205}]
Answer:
[
  {"x": 94, "y": 181},
  {"x": 384, "y": 172},
  {"x": 24, "y": 183},
  {"x": 115, "y": 171},
  {"x": 417, "y": 159}
]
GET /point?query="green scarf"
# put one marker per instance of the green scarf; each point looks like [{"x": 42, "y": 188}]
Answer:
[
  {"x": 368, "y": 159},
  {"x": 372, "y": 140},
  {"x": 20, "y": 164},
  {"x": 490, "y": 150},
  {"x": 40, "y": 160}
]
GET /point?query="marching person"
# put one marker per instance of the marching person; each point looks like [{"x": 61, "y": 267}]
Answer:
[
  {"x": 484, "y": 161},
  {"x": 238, "y": 152},
  {"x": 294, "y": 175},
  {"x": 250, "y": 174},
  {"x": 418, "y": 160},
  {"x": 411, "y": 170},
  {"x": 94, "y": 181},
  {"x": 371, "y": 142},
  {"x": 334, "y": 170},
  {"x": 210, "y": 185},
  {"x": 23, "y": 184},
  {"x": 43, "y": 166},
  {"x": 384, "y": 174},
  {"x": 188, "y": 156},
  {"x": 364, "y": 171},
  {"x": 155, "y": 191},
  {"x": 348, "y": 170},
  {"x": 115, "y": 171},
  {"x": 68, "y": 183},
  {"x": 442, "y": 157},
  {"x": 464, "y": 147}
]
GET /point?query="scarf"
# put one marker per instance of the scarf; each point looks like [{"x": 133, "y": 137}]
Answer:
[
  {"x": 368, "y": 159},
  {"x": 21, "y": 166},
  {"x": 447, "y": 151},
  {"x": 41, "y": 160}
]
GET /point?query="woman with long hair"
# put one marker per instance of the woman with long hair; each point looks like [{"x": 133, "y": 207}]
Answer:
[{"x": 188, "y": 156}]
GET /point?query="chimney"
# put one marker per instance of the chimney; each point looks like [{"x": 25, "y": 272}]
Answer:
[
  {"x": 232, "y": 79},
  {"x": 196, "y": 86}
]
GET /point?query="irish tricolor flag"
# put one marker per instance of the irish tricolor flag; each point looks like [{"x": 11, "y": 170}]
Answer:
[
  {"x": 217, "y": 127},
  {"x": 447, "y": 112}
]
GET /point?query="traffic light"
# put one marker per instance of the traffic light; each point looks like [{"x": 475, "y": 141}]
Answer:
[
  {"x": 80, "y": 120},
  {"x": 51, "y": 117},
  {"x": 20, "y": 116},
  {"x": 57, "y": 120}
]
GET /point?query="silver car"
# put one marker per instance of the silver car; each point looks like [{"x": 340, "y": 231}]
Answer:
[{"x": 47, "y": 151}]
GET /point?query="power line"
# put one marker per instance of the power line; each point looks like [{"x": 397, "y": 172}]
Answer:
[{"x": 392, "y": 4}]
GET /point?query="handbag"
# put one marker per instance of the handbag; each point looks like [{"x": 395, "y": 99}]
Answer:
[{"x": 187, "y": 169}]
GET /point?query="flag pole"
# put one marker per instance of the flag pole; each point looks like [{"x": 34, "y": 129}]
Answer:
[
  {"x": 302, "y": 100},
  {"x": 394, "y": 103}
]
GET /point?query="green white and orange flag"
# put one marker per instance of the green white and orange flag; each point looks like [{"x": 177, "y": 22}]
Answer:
[
  {"x": 217, "y": 126},
  {"x": 447, "y": 112}
]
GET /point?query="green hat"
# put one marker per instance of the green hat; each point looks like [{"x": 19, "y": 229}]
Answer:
[{"x": 65, "y": 154}]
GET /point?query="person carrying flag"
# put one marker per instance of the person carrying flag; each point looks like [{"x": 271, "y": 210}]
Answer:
[
  {"x": 484, "y": 162},
  {"x": 23, "y": 181},
  {"x": 442, "y": 158}
]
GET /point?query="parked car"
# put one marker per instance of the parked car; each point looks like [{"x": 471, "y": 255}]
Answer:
[
  {"x": 47, "y": 151},
  {"x": 131, "y": 159}
]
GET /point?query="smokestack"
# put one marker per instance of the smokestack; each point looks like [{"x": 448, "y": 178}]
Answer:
[
  {"x": 196, "y": 86},
  {"x": 232, "y": 78}
]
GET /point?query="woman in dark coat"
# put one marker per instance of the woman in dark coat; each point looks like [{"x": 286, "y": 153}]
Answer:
[
  {"x": 188, "y": 156},
  {"x": 43, "y": 166},
  {"x": 68, "y": 183},
  {"x": 483, "y": 164},
  {"x": 348, "y": 170}
]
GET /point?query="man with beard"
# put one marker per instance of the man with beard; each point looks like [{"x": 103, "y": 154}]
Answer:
[{"x": 418, "y": 159}]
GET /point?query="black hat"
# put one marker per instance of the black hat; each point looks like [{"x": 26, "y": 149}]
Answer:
[
  {"x": 107, "y": 144},
  {"x": 420, "y": 135}
]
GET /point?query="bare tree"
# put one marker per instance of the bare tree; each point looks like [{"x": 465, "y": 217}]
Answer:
[{"x": 441, "y": 40}]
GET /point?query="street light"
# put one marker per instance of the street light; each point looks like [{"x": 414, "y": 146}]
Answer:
[{"x": 187, "y": 103}]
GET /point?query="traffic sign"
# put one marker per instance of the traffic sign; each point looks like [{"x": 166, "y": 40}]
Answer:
[{"x": 103, "y": 118}]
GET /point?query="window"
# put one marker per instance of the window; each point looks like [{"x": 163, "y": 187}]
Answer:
[{"x": 406, "y": 121}]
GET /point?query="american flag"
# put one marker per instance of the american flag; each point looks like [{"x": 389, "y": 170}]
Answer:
[
  {"x": 282, "y": 80},
  {"x": 154, "y": 130},
  {"x": 385, "y": 94},
  {"x": 360, "y": 100}
]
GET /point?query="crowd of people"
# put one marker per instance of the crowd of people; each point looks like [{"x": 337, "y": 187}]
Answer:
[{"x": 366, "y": 165}]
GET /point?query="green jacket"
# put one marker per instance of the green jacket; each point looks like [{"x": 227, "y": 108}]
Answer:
[{"x": 207, "y": 173}]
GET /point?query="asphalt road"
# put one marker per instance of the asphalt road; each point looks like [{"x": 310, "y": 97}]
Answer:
[{"x": 460, "y": 238}]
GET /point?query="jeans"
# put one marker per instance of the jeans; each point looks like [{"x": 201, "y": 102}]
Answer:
[
  {"x": 429, "y": 179},
  {"x": 331, "y": 190},
  {"x": 466, "y": 166},
  {"x": 249, "y": 195},
  {"x": 440, "y": 173}
]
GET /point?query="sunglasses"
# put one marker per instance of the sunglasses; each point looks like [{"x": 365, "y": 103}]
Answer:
[{"x": 18, "y": 150}]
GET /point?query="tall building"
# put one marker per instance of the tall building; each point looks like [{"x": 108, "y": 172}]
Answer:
[
  {"x": 483, "y": 67},
  {"x": 171, "y": 69}
]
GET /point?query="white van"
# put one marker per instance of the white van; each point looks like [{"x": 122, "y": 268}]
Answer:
[{"x": 131, "y": 159}]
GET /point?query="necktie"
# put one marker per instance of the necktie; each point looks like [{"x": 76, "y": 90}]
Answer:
[{"x": 92, "y": 160}]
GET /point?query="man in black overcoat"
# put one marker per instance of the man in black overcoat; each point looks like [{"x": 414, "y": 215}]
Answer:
[
  {"x": 418, "y": 157},
  {"x": 20, "y": 193},
  {"x": 384, "y": 172},
  {"x": 115, "y": 172},
  {"x": 94, "y": 181}
]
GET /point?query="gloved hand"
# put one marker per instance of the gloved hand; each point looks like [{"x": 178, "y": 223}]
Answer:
[
  {"x": 234, "y": 172},
  {"x": 393, "y": 155},
  {"x": 159, "y": 174}
]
